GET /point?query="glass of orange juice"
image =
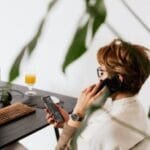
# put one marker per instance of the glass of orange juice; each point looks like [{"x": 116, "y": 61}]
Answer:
[{"x": 30, "y": 80}]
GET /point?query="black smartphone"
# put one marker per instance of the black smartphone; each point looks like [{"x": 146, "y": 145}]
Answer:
[
  {"x": 50, "y": 105},
  {"x": 113, "y": 84}
]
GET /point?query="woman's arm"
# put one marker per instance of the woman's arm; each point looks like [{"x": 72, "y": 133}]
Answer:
[
  {"x": 66, "y": 136},
  {"x": 86, "y": 98}
]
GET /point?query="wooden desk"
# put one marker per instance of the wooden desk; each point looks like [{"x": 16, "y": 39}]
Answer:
[{"x": 25, "y": 126}]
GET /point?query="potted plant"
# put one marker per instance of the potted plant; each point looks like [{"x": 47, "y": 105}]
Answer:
[{"x": 5, "y": 97}]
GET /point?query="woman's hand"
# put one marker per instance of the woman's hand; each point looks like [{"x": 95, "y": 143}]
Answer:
[
  {"x": 87, "y": 97},
  {"x": 50, "y": 118}
]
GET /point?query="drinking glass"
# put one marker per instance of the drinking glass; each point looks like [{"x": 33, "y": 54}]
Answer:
[{"x": 30, "y": 80}]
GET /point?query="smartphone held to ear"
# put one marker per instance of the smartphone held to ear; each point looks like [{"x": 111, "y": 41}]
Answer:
[
  {"x": 52, "y": 108},
  {"x": 113, "y": 84}
]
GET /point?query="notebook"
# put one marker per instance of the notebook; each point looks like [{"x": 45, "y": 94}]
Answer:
[{"x": 14, "y": 111}]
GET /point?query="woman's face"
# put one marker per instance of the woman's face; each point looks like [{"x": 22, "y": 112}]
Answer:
[{"x": 102, "y": 72}]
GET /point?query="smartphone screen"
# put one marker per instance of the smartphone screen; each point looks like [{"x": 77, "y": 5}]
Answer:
[{"x": 50, "y": 105}]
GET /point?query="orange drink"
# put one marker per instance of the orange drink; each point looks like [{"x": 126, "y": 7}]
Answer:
[{"x": 30, "y": 79}]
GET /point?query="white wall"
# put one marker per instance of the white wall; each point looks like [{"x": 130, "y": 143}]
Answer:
[{"x": 19, "y": 21}]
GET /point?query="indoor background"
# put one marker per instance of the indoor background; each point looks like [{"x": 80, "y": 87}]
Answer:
[{"x": 19, "y": 20}]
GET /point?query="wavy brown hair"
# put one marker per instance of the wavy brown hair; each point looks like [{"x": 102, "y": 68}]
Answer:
[{"x": 126, "y": 59}]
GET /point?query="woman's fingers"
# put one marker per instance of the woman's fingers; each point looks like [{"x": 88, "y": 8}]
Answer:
[
  {"x": 58, "y": 125},
  {"x": 50, "y": 121},
  {"x": 48, "y": 111},
  {"x": 94, "y": 90},
  {"x": 101, "y": 92},
  {"x": 88, "y": 89},
  {"x": 99, "y": 95},
  {"x": 63, "y": 112},
  {"x": 48, "y": 116},
  {"x": 95, "y": 94}
]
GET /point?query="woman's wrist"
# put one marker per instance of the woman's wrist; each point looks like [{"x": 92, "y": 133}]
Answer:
[
  {"x": 73, "y": 123},
  {"x": 75, "y": 118},
  {"x": 79, "y": 112}
]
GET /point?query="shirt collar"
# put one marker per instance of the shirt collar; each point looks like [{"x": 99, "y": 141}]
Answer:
[{"x": 125, "y": 100}]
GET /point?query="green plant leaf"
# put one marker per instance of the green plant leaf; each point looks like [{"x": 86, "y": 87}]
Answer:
[
  {"x": 51, "y": 4},
  {"x": 77, "y": 47},
  {"x": 98, "y": 21},
  {"x": 14, "y": 71},
  {"x": 30, "y": 46},
  {"x": 100, "y": 16},
  {"x": 97, "y": 13}
]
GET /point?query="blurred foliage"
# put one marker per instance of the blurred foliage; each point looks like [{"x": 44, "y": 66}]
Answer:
[
  {"x": 96, "y": 16},
  {"x": 30, "y": 46},
  {"x": 96, "y": 12}
]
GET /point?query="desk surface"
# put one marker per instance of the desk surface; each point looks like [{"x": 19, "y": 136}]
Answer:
[{"x": 25, "y": 126}]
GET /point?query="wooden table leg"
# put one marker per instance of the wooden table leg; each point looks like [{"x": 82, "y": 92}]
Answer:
[
  {"x": 149, "y": 112},
  {"x": 56, "y": 133}
]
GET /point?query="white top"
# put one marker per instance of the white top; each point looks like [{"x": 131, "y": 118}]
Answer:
[{"x": 103, "y": 133}]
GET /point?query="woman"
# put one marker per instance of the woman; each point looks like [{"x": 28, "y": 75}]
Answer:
[{"x": 125, "y": 67}]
